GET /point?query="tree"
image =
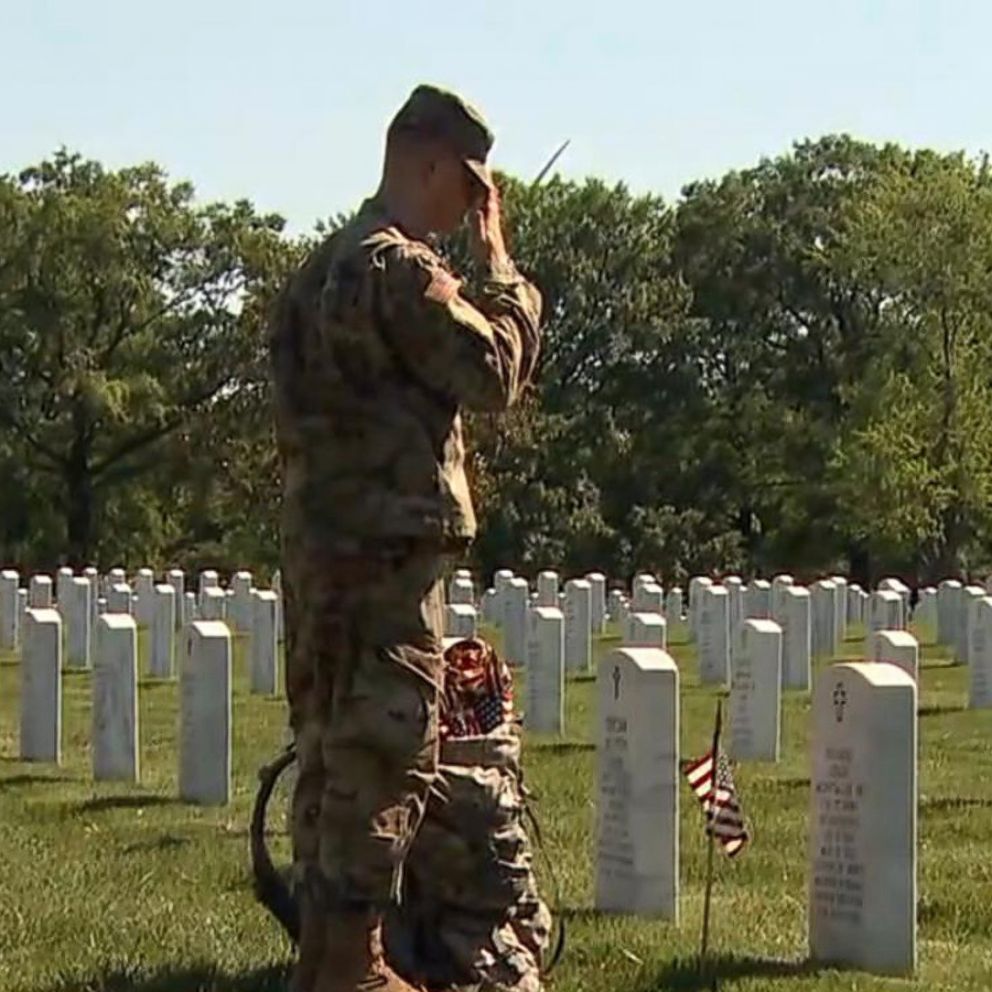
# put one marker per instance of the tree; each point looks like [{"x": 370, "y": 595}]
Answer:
[
  {"x": 915, "y": 461},
  {"x": 127, "y": 313}
]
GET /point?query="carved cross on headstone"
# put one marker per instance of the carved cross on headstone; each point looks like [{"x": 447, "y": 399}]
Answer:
[
  {"x": 616, "y": 682},
  {"x": 840, "y": 701}
]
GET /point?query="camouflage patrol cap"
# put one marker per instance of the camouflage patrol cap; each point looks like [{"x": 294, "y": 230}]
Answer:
[{"x": 437, "y": 113}]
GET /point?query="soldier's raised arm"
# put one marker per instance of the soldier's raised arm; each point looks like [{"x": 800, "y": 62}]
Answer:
[{"x": 481, "y": 353}]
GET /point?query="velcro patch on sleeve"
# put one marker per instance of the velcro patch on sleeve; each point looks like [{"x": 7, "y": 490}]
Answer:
[{"x": 442, "y": 288}]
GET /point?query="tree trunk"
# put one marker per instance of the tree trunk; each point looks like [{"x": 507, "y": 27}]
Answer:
[
  {"x": 78, "y": 478},
  {"x": 79, "y": 517}
]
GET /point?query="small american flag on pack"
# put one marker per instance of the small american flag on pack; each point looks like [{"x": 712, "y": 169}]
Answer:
[
  {"x": 478, "y": 690},
  {"x": 724, "y": 816}
]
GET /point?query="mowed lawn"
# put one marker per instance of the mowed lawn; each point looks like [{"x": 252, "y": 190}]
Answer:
[{"x": 106, "y": 887}]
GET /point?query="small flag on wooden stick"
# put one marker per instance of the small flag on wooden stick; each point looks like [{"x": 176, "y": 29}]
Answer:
[{"x": 724, "y": 816}]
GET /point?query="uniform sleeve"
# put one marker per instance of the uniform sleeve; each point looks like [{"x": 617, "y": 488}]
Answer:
[{"x": 482, "y": 354}]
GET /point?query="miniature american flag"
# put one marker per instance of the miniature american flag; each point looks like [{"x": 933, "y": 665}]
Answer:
[
  {"x": 724, "y": 816},
  {"x": 478, "y": 691}
]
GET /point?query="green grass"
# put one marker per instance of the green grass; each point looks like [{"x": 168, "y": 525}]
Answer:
[{"x": 124, "y": 888}]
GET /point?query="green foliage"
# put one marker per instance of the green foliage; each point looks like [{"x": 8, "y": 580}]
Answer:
[
  {"x": 788, "y": 368},
  {"x": 127, "y": 314}
]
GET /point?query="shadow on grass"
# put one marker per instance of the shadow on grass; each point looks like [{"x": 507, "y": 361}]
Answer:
[
  {"x": 166, "y": 842},
  {"x": 950, "y": 804},
  {"x": 939, "y": 710},
  {"x": 683, "y": 973},
  {"x": 196, "y": 978},
  {"x": 936, "y": 661},
  {"x": 796, "y": 782},
  {"x": 563, "y": 747},
  {"x": 28, "y": 779},
  {"x": 101, "y": 804}
]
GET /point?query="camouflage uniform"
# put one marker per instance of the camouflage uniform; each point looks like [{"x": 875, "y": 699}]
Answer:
[
  {"x": 471, "y": 914},
  {"x": 375, "y": 349}
]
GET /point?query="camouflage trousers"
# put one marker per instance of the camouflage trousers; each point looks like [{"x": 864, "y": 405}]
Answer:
[
  {"x": 363, "y": 667},
  {"x": 470, "y": 916}
]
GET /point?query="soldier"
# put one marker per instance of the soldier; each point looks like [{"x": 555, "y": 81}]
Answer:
[{"x": 376, "y": 346}]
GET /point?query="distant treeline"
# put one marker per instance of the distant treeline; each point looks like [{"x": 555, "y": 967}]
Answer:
[{"x": 789, "y": 368}]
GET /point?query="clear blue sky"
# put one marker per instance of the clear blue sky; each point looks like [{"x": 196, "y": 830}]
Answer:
[{"x": 286, "y": 102}]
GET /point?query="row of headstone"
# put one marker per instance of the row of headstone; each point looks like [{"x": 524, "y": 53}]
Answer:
[
  {"x": 863, "y": 795},
  {"x": 205, "y": 699}
]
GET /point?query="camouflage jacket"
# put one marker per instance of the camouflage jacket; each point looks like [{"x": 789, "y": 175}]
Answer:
[{"x": 375, "y": 349}]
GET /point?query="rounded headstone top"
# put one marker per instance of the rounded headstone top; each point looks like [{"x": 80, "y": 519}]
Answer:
[
  {"x": 760, "y": 626},
  {"x": 117, "y": 621},
  {"x": 646, "y": 659},
  {"x": 873, "y": 673},
  {"x": 211, "y": 628}
]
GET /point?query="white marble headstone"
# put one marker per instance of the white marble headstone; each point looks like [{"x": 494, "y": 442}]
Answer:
[
  {"x": 62, "y": 579},
  {"x": 646, "y": 630},
  {"x": 77, "y": 613},
  {"x": 855, "y": 614},
  {"x": 796, "y": 639},
  {"x": 119, "y": 598},
  {"x": 190, "y": 609},
  {"x": 900, "y": 587},
  {"x": 208, "y": 579},
  {"x": 698, "y": 585},
  {"x": 163, "y": 632},
  {"x": 490, "y": 602},
  {"x": 115, "y": 699},
  {"x": 578, "y": 625},
  {"x": 925, "y": 614},
  {"x": 756, "y": 693},
  {"x": 547, "y": 588},
  {"x": 597, "y": 582},
  {"x": 642, "y": 579},
  {"x": 501, "y": 580},
  {"x": 649, "y": 598},
  {"x": 615, "y": 604},
  {"x": 862, "y": 902},
  {"x": 205, "y": 714},
  {"x": 637, "y": 822},
  {"x": 673, "y": 605},
  {"x": 980, "y": 669},
  {"x": 884, "y": 613},
  {"x": 735, "y": 611},
  {"x": 948, "y": 604},
  {"x": 899, "y": 648},
  {"x": 545, "y": 679},
  {"x": 41, "y": 686},
  {"x": 22, "y": 609},
  {"x": 758, "y": 600},
  {"x": 515, "y": 607},
  {"x": 144, "y": 584},
  {"x": 779, "y": 584},
  {"x": 40, "y": 592},
  {"x": 239, "y": 607},
  {"x": 460, "y": 620},
  {"x": 823, "y": 605},
  {"x": 840, "y": 610},
  {"x": 264, "y": 650},
  {"x": 9, "y": 613},
  {"x": 970, "y": 597},
  {"x": 213, "y": 604},
  {"x": 176, "y": 578},
  {"x": 461, "y": 590},
  {"x": 714, "y": 636}
]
